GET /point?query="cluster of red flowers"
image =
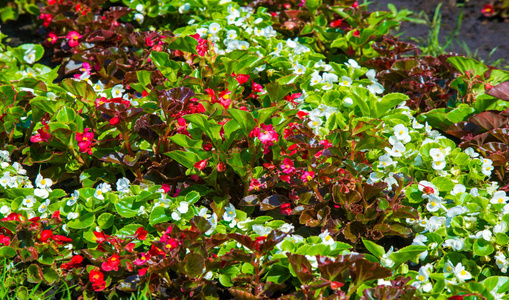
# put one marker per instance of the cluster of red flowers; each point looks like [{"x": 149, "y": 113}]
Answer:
[
  {"x": 73, "y": 38},
  {"x": 224, "y": 97},
  {"x": 46, "y": 19},
  {"x": 203, "y": 45},
  {"x": 85, "y": 140},
  {"x": 76, "y": 261},
  {"x": 266, "y": 134},
  {"x": 5, "y": 240},
  {"x": 42, "y": 135},
  {"x": 97, "y": 279}
]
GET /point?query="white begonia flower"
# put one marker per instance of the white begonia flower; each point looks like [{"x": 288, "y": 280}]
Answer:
[
  {"x": 371, "y": 75},
  {"x": 471, "y": 152},
  {"x": 286, "y": 228},
  {"x": 352, "y": 63},
  {"x": 487, "y": 168},
  {"x": 434, "y": 223},
  {"x": 315, "y": 79},
  {"x": 74, "y": 198},
  {"x": 202, "y": 31},
  {"x": 98, "y": 86},
  {"x": 420, "y": 240},
  {"x": 326, "y": 238},
  {"x": 7, "y": 180},
  {"x": 5, "y": 210},
  {"x": 458, "y": 188},
  {"x": 322, "y": 65},
  {"x": 162, "y": 201},
  {"x": 42, "y": 193},
  {"x": 422, "y": 277},
  {"x": 261, "y": 230},
  {"x": 183, "y": 207},
  {"x": 390, "y": 180},
  {"x": 19, "y": 168},
  {"x": 4, "y": 155},
  {"x": 139, "y": 18},
  {"x": 214, "y": 28},
  {"x": 312, "y": 260},
  {"x": 229, "y": 213},
  {"x": 269, "y": 32},
  {"x": 123, "y": 185},
  {"x": 375, "y": 88},
  {"x": 375, "y": 177},
  {"x": 474, "y": 192},
  {"x": 176, "y": 216},
  {"x": 213, "y": 222},
  {"x": 231, "y": 34},
  {"x": 43, "y": 207},
  {"x": 401, "y": 133},
  {"x": 499, "y": 197},
  {"x": 184, "y": 8},
  {"x": 29, "y": 56},
  {"x": 72, "y": 215},
  {"x": 385, "y": 260},
  {"x": 345, "y": 81},
  {"x": 31, "y": 214},
  {"x": 435, "y": 203},
  {"x": 117, "y": 91},
  {"x": 383, "y": 282},
  {"x": 315, "y": 123},
  {"x": 397, "y": 149},
  {"x": 457, "y": 244},
  {"x": 461, "y": 273},
  {"x": 501, "y": 262},
  {"x": 233, "y": 10},
  {"x": 299, "y": 69},
  {"x": 500, "y": 228},
  {"x": 437, "y": 154},
  {"x": 43, "y": 183},
  {"x": 347, "y": 102},
  {"x": 416, "y": 125},
  {"x": 322, "y": 111},
  {"x": 438, "y": 164},
  {"x": 456, "y": 211},
  {"x": 385, "y": 161},
  {"x": 140, "y": 8},
  {"x": 29, "y": 201},
  {"x": 486, "y": 234},
  {"x": 101, "y": 189},
  {"x": 243, "y": 45}
]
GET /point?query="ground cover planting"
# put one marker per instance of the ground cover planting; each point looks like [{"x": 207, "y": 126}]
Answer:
[{"x": 260, "y": 150}]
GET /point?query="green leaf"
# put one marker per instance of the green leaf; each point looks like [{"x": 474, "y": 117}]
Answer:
[
  {"x": 464, "y": 64},
  {"x": 144, "y": 77},
  {"x": 313, "y": 5},
  {"x": 187, "y": 159},
  {"x": 375, "y": 249},
  {"x": 105, "y": 220},
  {"x": 158, "y": 215},
  {"x": 388, "y": 102},
  {"x": 187, "y": 44},
  {"x": 443, "y": 184},
  {"x": 483, "y": 247},
  {"x": 497, "y": 284},
  {"x": 50, "y": 275},
  {"x": 34, "y": 274},
  {"x": 124, "y": 207},
  {"x": 460, "y": 113},
  {"x": 82, "y": 222},
  {"x": 185, "y": 141},
  {"x": 408, "y": 253},
  {"x": 66, "y": 115},
  {"x": 210, "y": 128},
  {"x": 265, "y": 113},
  {"x": 244, "y": 118},
  {"x": 7, "y": 251},
  {"x": 128, "y": 230},
  {"x": 277, "y": 91}
]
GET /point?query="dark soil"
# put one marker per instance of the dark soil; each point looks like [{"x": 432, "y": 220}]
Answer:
[{"x": 477, "y": 31}]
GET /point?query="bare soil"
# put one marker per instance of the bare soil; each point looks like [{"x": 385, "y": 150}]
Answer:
[{"x": 477, "y": 31}]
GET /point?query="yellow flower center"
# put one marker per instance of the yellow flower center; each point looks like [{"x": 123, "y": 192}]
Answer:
[{"x": 463, "y": 272}]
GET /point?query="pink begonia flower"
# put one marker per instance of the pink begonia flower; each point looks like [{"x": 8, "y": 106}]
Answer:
[
  {"x": 287, "y": 166},
  {"x": 307, "y": 176},
  {"x": 73, "y": 38}
]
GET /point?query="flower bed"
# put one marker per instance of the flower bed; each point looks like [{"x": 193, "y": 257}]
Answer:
[{"x": 212, "y": 150}]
